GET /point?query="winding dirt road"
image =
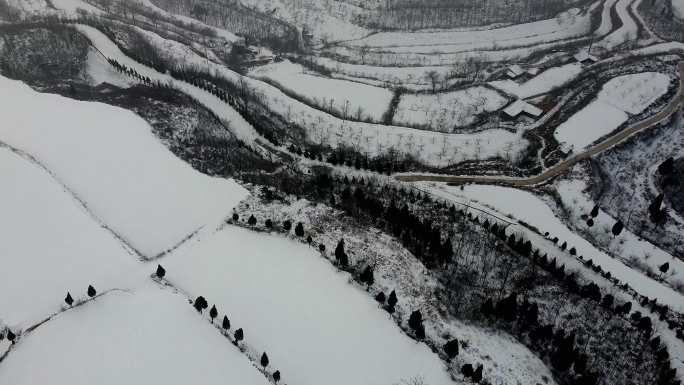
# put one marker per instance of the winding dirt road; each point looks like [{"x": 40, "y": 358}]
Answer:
[{"x": 558, "y": 169}]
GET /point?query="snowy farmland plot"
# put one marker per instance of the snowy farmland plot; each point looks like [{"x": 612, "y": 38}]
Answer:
[
  {"x": 295, "y": 305},
  {"x": 146, "y": 335},
  {"x": 47, "y": 255},
  {"x": 346, "y": 186},
  {"x": 620, "y": 98},
  {"x": 446, "y": 111},
  {"x": 109, "y": 158},
  {"x": 349, "y": 99}
]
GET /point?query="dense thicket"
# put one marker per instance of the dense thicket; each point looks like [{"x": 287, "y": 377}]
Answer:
[{"x": 421, "y": 14}]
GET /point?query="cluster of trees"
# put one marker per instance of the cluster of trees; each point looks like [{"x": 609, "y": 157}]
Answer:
[
  {"x": 200, "y": 304},
  {"x": 181, "y": 74},
  {"x": 421, "y": 14},
  {"x": 70, "y": 300},
  {"x": 122, "y": 68},
  {"x": 11, "y": 336},
  {"x": 255, "y": 26}
]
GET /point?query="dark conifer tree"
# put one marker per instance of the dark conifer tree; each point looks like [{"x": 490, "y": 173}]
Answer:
[
  {"x": 269, "y": 224},
  {"x": 451, "y": 349},
  {"x": 299, "y": 229},
  {"x": 264, "y": 360},
  {"x": 252, "y": 220},
  {"x": 11, "y": 337},
  {"x": 213, "y": 313},
  {"x": 200, "y": 304},
  {"x": 239, "y": 335},
  {"x": 467, "y": 370},
  {"x": 91, "y": 291},
  {"x": 309, "y": 240},
  {"x": 415, "y": 320},
  {"x": 367, "y": 276},
  {"x": 69, "y": 301},
  {"x": 667, "y": 167},
  {"x": 321, "y": 247},
  {"x": 161, "y": 272},
  {"x": 235, "y": 217},
  {"x": 392, "y": 300},
  {"x": 380, "y": 297},
  {"x": 595, "y": 211},
  {"x": 617, "y": 228},
  {"x": 420, "y": 333},
  {"x": 226, "y": 323},
  {"x": 276, "y": 376},
  {"x": 477, "y": 374},
  {"x": 341, "y": 255},
  {"x": 664, "y": 267},
  {"x": 287, "y": 225},
  {"x": 487, "y": 307}
]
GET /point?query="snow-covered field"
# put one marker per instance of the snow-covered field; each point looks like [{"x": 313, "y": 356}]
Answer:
[
  {"x": 347, "y": 98},
  {"x": 531, "y": 209},
  {"x": 150, "y": 198},
  {"x": 295, "y": 305},
  {"x": 445, "y": 111},
  {"x": 146, "y": 336},
  {"x": 413, "y": 78},
  {"x": 628, "y": 31},
  {"x": 618, "y": 99},
  {"x": 569, "y": 24},
  {"x": 678, "y": 8},
  {"x": 542, "y": 83},
  {"x": 51, "y": 245}
]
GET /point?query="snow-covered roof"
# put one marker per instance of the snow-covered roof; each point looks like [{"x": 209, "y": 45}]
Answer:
[
  {"x": 514, "y": 71},
  {"x": 519, "y": 106},
  {"x": 533, "y": 71},
  {"x": 583, "y": 56}
]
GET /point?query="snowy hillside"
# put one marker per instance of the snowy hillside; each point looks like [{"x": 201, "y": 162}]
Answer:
[
  {"x": 342, "y": 192},
  {"x": 146, "y": 189}
]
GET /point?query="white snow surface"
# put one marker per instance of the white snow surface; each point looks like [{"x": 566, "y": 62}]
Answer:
[
  {"x": 678, "y": 8},
  {"x": 319, "y": 90},
  {"x": 51, "y": 245},
  {"x": 525, "y": 206},
  {"x": 445, "y": 111},
  {"x": 152, "y": 199},
  {"x": 151, "y": 336},
  {"x": 618, "y": 99},
  {"x": 542, "y": 83},
  {"x": 99, "y": 71},
  {"x": 296, "y": 306},
  {"x": 628, "y": 31}
]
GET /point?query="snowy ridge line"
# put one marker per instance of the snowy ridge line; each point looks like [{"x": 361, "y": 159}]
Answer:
[
  {"x": 21, "y": 334},
  {"x": 246, "y": 349},
  {"x": 127, "y": 246}
]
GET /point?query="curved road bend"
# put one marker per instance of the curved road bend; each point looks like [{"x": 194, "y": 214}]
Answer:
[{"x": 560, "y": 168}]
